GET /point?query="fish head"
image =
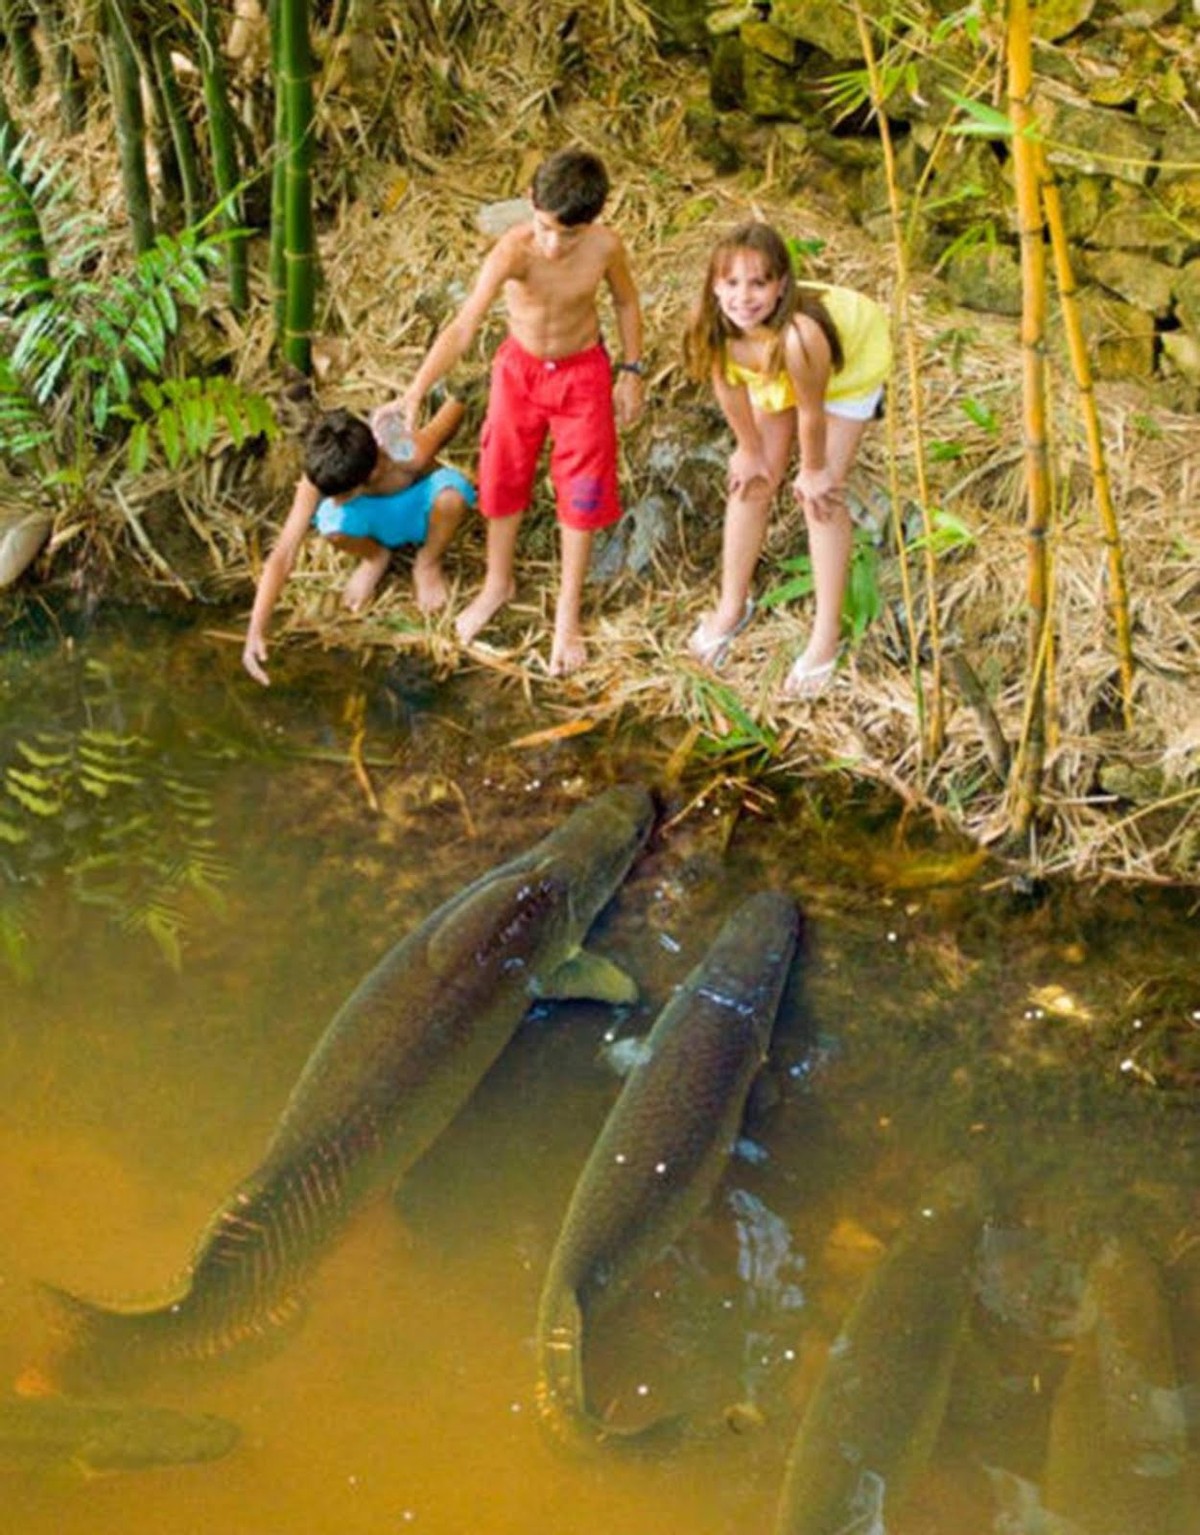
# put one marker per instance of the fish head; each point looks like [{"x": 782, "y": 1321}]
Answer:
[
  {"x": 594, "y": 848},
  {"x": 749, "y": 962}
]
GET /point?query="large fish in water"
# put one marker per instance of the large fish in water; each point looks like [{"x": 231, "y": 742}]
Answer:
[
  {"x": 1117, "y": 1456},
  {"x": 94, "y": 1437},
  {"x": 397, "y": 1062},
  {"x": 661, "y": 1152},
  {"x": 875, "y": 1413}
]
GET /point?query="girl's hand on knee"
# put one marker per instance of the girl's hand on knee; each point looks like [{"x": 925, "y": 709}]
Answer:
[
  {"x": 745, "y": 467},
  {"x": 818, "y": 493}
]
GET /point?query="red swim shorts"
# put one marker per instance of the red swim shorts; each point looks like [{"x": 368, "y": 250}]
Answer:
[{"x": 571, "y": 399}]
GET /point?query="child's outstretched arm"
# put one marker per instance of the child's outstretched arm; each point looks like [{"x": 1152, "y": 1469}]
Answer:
[
  {"x": 808, "y": 359},
  {"x": 503, "y": 261},
  {"x": 277, "y": 567},
  {"x": 430, "y": 439}
]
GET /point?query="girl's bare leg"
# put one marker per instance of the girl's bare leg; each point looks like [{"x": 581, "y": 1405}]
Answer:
[
  {"x": 830, "y": 540},
  {"x": 747, "y": 515},
  {"x": 498, "y": 584}
]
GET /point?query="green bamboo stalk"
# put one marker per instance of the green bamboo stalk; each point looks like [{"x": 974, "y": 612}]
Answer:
[
  {"x": 72, "y": 99},
  {"x": 276, "y": 264},
  {"x": 223, "y": 144},
  {"x": 295, "y": 80},
  {"x": 935, "y": 733},
  {"x": 170, "y": 102},
  {"x": 16, "y": 22},
  {"x": 124, "y": 78},
  {"x": 1118, "y": 593},
  {"x": 1027, "y": 775}
]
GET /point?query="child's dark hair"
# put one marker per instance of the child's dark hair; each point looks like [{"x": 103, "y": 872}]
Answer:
[
  {"x": 708, "y": 330},
  {"x": 572, "y": 185},
  {"x": 340, "y": 452}
]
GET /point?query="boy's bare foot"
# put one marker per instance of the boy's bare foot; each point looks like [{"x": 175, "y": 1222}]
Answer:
[
  {"x": 367, "y": 575},
  {"x": 429, "y": 584},
  {"x": 480, "y": 611},
  {"x": 567, "y": 655}
]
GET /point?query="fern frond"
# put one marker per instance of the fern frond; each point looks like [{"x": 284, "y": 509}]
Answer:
[
  {"x": 24, "y": 259},
  {"x": 23, "y": 427},
  {"x": 188, "y": 415}
]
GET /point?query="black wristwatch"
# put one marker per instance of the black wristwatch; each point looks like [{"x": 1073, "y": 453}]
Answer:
[{"x": 630, "y": 367}]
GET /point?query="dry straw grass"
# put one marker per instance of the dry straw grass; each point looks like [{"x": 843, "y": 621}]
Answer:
[{"x": 399, "y": 247}]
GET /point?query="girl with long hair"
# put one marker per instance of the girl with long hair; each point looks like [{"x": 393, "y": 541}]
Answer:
[{"x": 788, "y": 361}]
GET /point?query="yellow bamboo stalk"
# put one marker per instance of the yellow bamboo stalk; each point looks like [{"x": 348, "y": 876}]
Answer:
[
  {"x": 1030, "y": 231},
  {"x": 933, "y": 735},
  {"x": 1081, "y": 367}
]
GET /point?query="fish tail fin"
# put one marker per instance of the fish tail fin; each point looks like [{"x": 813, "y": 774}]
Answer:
[
  {"x": 562, "y": 1394},
  {"x": 96, "y": 1345},
  {"x": 91, "y": 1342}
]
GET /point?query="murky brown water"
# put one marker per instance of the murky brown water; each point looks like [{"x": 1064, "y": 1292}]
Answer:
[{"x": 1048, "y": 1038}]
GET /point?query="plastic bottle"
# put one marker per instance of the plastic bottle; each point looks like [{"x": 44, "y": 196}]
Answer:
[{"x": 395, "y": 439}]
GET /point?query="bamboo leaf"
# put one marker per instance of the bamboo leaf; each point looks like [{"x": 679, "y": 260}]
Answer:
[{"x": 985, "y": 121}]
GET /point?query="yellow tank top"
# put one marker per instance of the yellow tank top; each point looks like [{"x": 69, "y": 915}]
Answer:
[{"x": 862, "y": 326}]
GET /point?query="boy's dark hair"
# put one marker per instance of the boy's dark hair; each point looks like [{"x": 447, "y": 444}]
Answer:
[
  {"x": 340, "y": 452},
  {"x": 572, "y": 185}
]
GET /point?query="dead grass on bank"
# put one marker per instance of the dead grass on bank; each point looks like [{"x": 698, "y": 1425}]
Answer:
[{"x": 400, "y": 245}]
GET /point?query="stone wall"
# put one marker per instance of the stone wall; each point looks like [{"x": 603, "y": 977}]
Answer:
[{"x": 1118, "y": 101}]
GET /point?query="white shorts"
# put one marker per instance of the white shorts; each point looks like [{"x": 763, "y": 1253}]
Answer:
[{"x": 859, "y": 407}]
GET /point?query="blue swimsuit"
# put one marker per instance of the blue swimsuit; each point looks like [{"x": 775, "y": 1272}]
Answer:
[{"x": 398, "y": 517}]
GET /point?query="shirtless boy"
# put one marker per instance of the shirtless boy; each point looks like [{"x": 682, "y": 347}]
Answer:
[
  {"x": 551, "y": 375},
  {"x": 368, "y": 505}
]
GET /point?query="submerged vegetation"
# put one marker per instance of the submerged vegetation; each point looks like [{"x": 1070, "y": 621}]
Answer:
[{"x": 1022, "y": 660}]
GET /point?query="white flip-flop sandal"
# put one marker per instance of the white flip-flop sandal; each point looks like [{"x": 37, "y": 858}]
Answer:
[
  {"x": 713, "y": 649},
  {"x": 807, "y": 681}
]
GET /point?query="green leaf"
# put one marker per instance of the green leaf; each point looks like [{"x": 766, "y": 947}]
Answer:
[
  {"x": 42, "y": 759},
  {"x": 36, "y": 803},
  {"x": 984, "y": 121},
  {"x": 981, "y": 415},
  {"x": 163, "y": 927},
  {"x": 100, "y": 406},
  {"x": 167, "y": 423},
  {"x": 138, "y": 453},
  {"x": 788, "y": 591}
]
